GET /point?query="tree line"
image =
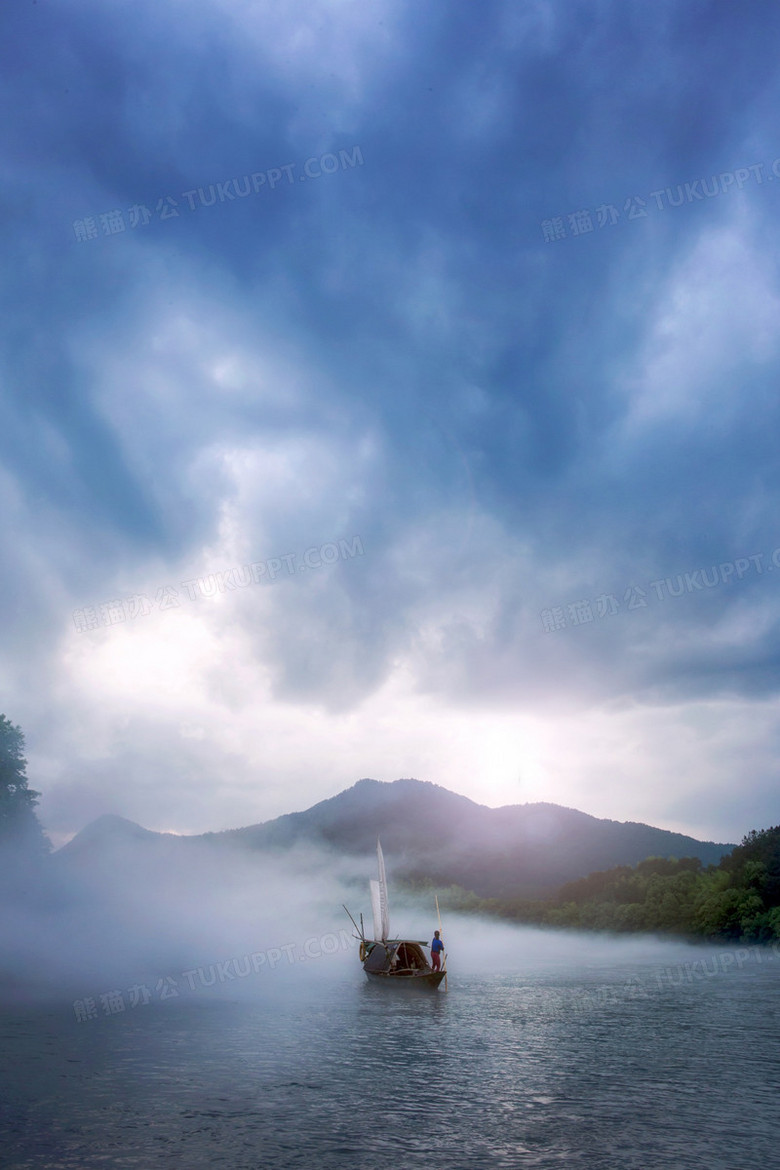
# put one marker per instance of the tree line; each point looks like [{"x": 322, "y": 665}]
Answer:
[
  {"x": 736, "y": 900},
  {"x": 19, "y": 824}
]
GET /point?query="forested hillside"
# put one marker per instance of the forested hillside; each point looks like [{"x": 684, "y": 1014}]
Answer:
[{"x": 738, "y": 899}]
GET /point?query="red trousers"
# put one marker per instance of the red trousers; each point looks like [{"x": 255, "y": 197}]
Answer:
[{"x": 436, "y": 960}]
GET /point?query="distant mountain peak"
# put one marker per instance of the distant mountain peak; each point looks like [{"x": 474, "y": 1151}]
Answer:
[
  {"x": 108, "y": 827},
  {"x": 408, "y": 782},
  {"x": 113, "y": 820},
  {"x": 433, "y": 833},
  {"x": 405, "y": 786}
]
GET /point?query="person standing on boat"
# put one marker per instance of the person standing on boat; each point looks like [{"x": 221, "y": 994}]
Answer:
[{"x": 437, "y": 946}]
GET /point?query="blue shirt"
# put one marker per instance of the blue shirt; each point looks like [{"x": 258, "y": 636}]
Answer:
[{"x": 437, "y": 945}]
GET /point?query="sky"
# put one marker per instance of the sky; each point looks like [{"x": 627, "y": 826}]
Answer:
[{"x": 391, "y": 390}]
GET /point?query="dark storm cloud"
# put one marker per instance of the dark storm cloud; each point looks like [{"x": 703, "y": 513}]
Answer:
[{"x": 512, "y": 426}]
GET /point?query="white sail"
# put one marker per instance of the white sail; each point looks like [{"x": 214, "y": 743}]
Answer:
[
  {"x": 376, "y": 906},
  {"x": 379, "y": 899}
]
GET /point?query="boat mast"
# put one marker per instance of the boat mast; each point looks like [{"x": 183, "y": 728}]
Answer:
[
  {"x": 444, "y": 957},
  {"x": 359, "y": 929}
]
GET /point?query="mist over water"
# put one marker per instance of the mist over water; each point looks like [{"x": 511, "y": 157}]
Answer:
[
  {"x": 591, "y": 1060},
  {"x": 155, "y": 920},
  {"x": 194, "y": 1006},
  {"x": 135, "y": 910}
]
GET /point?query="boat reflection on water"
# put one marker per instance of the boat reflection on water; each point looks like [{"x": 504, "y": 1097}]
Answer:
[{"x": 397, "y": 961}]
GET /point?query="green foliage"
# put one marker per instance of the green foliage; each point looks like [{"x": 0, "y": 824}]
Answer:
[
  {"x": 18, "y": 821},
  {"x": 739, "y": 899},
  {"x": 760, "y": 848}
]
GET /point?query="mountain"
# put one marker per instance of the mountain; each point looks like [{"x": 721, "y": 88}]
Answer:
[
  {"x": 111, "y": 840},
  {"x": 106, "y": 831},
  {"x": 429, "y": 833}
]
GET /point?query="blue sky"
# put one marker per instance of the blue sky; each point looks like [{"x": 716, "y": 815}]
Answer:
[{"x": 449, "y": 335}]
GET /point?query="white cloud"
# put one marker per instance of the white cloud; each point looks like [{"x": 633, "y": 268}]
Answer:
[{"x": 716, "y": 320}]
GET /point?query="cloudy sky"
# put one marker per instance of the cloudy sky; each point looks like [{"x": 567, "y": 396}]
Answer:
[{"x": 391, "y": 389}]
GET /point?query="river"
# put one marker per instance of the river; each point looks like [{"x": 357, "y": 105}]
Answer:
[{"x": 650, "y": 1059}]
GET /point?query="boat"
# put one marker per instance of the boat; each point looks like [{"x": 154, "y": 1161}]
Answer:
[{"x": 397, "y": 961}]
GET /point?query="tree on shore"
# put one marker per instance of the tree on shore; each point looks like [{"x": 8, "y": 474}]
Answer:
[{"x": 19, "y": 823}]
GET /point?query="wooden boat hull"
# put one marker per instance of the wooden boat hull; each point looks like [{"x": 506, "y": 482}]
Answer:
[
  {"x": 422, "y": 979},
  {"x": 394, "y": 962}
]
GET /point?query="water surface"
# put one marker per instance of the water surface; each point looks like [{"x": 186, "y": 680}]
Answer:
[{"x": 605, "y": 1065}]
